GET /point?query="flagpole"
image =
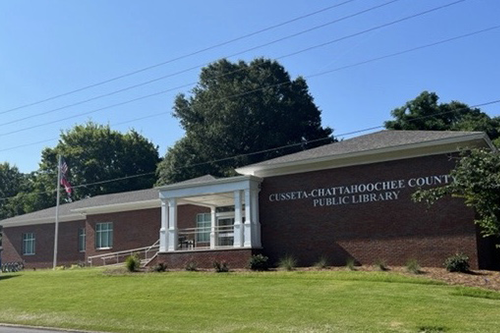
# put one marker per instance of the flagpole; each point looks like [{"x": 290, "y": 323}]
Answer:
[{"x": 56, "y": 232}]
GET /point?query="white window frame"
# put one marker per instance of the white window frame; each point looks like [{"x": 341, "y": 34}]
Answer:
[
  {"x": 29, "y": 243},
  {"x": 104, "y": 235},
  {"x": 82, "y": 240}
]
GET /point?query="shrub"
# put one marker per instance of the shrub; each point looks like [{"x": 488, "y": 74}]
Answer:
[
  {"x": 350, "y": 263},
  {"x": 132, "y": 263},
  {"x": 287, "y": 263},
  {"x": 458, "y": 262},
  {"x": 413, "y": 267},
  {"x": 161, "y": 267},
  {"x": 381, "y": 266},
  {"x": 220, "y": 267},
  {"x": 191, "y": 266},
  {"x": 258, "y": 262},
  {"x": 322, "y": 263}
]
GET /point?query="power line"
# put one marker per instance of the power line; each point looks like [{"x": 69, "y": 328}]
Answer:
[
  {"x": 199, "y": 66},
  {"x": 180, "y": 57},
  {"x": 308, "y": 76},
  {"x": 288, "y": 55},
  {"x": 116, "y": 124},
  {"x": 272, "y": 149},
  {"x": 443, "y": 41}
]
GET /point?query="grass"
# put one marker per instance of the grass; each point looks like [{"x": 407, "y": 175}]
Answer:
[{"x": 282, "y": 301}]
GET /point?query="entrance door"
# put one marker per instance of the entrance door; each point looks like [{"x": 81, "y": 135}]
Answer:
[{"x": 225, "y": 231}]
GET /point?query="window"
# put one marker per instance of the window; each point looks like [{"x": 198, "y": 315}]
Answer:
[
  {"x": 29, "y": 243},
  {"x": 104, "y": 235},
  {"x": 82, "y": 239},
  {"x": 203, "y": 226},
  {"x": 225, "y": 231}
]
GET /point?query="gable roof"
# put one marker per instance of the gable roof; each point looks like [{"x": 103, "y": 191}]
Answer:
[
  {"x": 106, "y": 203},
  {"x": 74, "y": 211},
  {"x": 370, "y": 148},
  {"x": 385, "y": 145}
]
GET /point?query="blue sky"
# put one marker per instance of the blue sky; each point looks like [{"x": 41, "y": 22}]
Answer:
[{"x": 51, "y": 47}]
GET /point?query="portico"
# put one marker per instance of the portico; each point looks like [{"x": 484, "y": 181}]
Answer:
[{"x": 229, "y": 218}]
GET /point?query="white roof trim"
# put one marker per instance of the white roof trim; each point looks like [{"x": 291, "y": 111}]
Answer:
[
  {"x": 434, "y": 147},
  {"x": 121, "y": 207},
  {"x": 44, "y": 220},
  {"x": 221, "y": 185},
  {"x": 217, "y": 181}
]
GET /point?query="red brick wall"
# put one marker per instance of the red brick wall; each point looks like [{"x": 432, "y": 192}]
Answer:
[
  {"x": 237, "y": 258},
  {"x": 393, "y": 231},
  {"x": 44, "y": 244},
  {"x": 135, "y": 229},
  {"x": 131, "y": 229}
]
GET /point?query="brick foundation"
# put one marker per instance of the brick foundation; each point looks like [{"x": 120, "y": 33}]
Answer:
[{"x": 235, "y": 258}]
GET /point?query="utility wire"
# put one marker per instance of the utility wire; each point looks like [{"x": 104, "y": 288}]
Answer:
[
  {"x": 115, "y": 124},
  {"x": 238, "y": 95},
  {"x": 180, "y": 57},
  {"x": 197, "y": 66},
  {"x": 273, "y": 149},
  {"x": 310, "y": 76}
]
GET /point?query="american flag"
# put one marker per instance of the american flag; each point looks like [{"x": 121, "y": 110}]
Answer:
[{"x": 64, "y": 180}]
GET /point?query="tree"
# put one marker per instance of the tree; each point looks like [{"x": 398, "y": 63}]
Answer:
[
  {"x": 476, "y": 179},
  {"x": 237, "y": 109},
  {"x": 424, "y": 113},
  {"x": 10, "y": 185},
  {"x": 107, "y": 160}
]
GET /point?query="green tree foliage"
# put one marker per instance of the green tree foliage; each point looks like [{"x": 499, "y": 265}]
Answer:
[
  {"x": 11, "y": 182},
  {"x": 237, "y": 109},
  {"x": 425, "y": 113},
  {"x": 476, "y": 179},
  {"x": 96, "y": 154},
  {"x": 31, "y": 195}
]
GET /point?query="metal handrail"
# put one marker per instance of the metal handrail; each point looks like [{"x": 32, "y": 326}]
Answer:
[
  {"x": 143, "y": 252},
  {"x": 116, "y": 255},
  {"x": 155, "y": 246}
]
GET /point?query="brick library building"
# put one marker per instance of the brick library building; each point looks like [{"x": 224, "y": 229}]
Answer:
[{"x": 349, "y": 200}]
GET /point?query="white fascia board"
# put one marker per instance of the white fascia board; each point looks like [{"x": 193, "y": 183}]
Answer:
[
  {"x": 43, "y": 220},
  {"x": 435, "y": 147},
  {"x": 216, "y": 186},
  {"x": 122, "y": 207}
]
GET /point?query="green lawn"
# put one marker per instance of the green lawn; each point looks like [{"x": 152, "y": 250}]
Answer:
[{"x": 313, "y": 301}]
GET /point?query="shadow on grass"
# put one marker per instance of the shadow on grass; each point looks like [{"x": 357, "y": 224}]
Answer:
[
  {"x": 5, "y": 277},
  {"x": 432, "y": 329},
  {"x": 475, "y": 292}
]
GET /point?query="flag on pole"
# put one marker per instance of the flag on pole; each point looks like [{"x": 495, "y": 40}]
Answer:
[{"x": 64, "y": 179}]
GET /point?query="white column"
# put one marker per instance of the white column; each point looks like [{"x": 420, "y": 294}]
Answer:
[
  {"x": 172, "y": 224},
  {"x": 255, "y": 219},
  {"x": 238, "y": 228},
  {"x": 248, "y": 220},
  {"x": 164, "y": 226},
  {"x": 213, "y": 234}
]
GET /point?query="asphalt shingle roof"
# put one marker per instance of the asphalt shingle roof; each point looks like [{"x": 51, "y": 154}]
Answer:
[
  {"x": 373, "y": 141},
  {"x": 377, "y": 140},
  {"x": 100, "y": 200}
]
